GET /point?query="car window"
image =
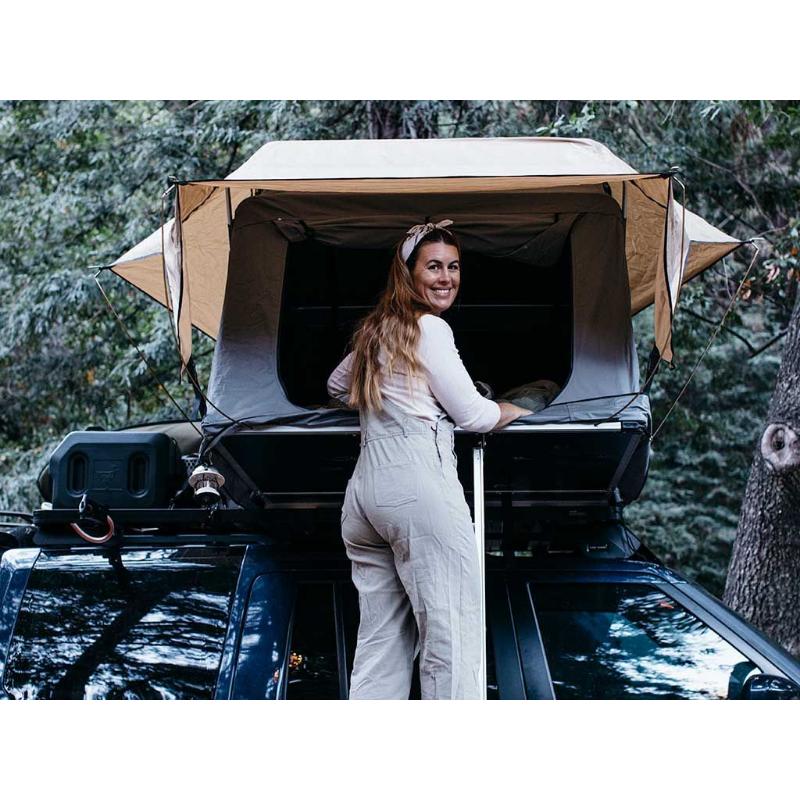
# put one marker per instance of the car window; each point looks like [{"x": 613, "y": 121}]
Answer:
[
  {"x": 632, "y": 641},
  {"x": 313, "y": 668},
  {"x": 146, "y": 624}
]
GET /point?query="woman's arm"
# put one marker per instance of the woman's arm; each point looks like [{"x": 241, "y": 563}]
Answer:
[
  {"x": 340, "y": 378},
  {"x": 508, "y": 413},
  {"x": 451, "y": 384}
]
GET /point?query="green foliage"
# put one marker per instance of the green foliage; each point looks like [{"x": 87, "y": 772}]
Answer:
[
  {"x": 689, "y": 508},
  {"x": 80, "y": 183}
]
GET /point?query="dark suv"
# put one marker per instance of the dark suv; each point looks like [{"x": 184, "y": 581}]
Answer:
[{"x": 230, "y": 603}]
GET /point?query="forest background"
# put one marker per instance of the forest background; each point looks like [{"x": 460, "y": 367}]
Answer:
[{"x": 80, "y": 183}]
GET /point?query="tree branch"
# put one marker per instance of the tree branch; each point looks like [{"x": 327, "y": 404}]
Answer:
[
  {"x": 732, "y": 332},
  {"x": 769, "y": 344},
  {"x": 718, "y": 201},
  {"x": 639, "y": 133},
  {"x": 738, "y": 180}
]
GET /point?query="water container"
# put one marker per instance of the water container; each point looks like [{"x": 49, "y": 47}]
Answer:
[{"x": 118, "y": 469}]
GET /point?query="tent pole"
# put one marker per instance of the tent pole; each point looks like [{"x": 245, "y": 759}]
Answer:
[{"x": 480, "y": 537}]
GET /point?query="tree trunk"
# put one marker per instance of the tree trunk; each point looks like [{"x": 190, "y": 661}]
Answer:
[{"x": 764, "y": 573}]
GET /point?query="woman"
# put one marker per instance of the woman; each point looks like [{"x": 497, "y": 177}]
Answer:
[{"x": 405, "y": 523}]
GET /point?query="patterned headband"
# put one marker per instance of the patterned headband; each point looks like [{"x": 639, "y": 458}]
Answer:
[{"x": 416, "y": 233}]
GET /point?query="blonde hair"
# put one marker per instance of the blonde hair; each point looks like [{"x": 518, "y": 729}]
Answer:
[{"x": 391, "y": 327}]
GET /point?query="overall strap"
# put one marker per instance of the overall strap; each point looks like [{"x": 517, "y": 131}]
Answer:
[{"x": 392, "y": 421}]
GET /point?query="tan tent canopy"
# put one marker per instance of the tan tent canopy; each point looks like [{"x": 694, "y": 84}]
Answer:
[{"x": 665, "y": 244}]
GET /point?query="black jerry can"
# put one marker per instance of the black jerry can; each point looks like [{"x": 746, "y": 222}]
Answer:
[{"x": 118, "y": 469}]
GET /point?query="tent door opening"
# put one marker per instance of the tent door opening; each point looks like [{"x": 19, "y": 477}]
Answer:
[{"x": 512, "y": 321}]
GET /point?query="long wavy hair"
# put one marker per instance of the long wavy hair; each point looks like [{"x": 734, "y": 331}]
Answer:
[{"x": 391, "y": 327}]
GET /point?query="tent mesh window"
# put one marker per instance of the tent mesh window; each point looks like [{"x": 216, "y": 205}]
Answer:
[{"x": 512, "y": 321}]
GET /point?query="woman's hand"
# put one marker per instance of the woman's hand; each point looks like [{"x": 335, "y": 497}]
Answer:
[{"x": 509, "y": 412}]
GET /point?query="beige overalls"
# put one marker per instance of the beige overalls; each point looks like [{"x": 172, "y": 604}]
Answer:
[{"x": 408, "y": 533}]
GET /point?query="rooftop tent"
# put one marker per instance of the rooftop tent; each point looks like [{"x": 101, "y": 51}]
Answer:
[
  {"x": 562, "y": 243},
  {"x": 544, "y": 294},
  {"x": 664, "y": 244}
]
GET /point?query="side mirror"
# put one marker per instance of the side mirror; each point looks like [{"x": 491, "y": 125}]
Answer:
[{"x": 769, "y": 687}]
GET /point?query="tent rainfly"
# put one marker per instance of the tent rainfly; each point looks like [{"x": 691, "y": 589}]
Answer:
[{"x": 184, "y": 266}]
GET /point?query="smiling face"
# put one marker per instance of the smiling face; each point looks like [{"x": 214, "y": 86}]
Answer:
[{"x": 437, "y": 274}]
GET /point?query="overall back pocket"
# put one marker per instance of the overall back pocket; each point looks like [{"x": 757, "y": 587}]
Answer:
[{"x": 395, "y": 484}]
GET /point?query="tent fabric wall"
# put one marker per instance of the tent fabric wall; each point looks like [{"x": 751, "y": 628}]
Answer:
[
  {"x": 244, "y": 381},
  {"x": 604, "y": 361},
  {"x": 245, "y": 384}
]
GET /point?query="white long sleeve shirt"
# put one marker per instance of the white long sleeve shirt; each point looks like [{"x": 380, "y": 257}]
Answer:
[{"x": 443, "y": 386}]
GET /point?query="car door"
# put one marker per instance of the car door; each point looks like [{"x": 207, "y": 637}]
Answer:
[{"x": 298, "y": 638}]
